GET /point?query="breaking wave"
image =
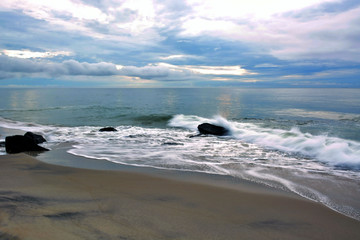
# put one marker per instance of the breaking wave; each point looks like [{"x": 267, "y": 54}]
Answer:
[{"x": 334, "y": 151}]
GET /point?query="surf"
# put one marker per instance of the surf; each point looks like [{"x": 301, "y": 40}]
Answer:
[
  {"x": 334, "y": 151},
  {"x": 290, "y": 159}
]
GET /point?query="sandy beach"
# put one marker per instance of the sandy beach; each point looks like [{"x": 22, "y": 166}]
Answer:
[{"x": 44, "y": 201}]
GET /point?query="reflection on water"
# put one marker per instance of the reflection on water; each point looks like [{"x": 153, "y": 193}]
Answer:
[
  {"x": 230, "y": 103},
  {"x": 170, "y": 99},
  {"x": 224, "y": 104},
  {"x": 25, "y": 99}
]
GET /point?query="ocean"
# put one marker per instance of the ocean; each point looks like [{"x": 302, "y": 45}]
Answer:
[{"x": 306, "y": 141}]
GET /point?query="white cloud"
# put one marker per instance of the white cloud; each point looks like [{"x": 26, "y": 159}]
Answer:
[
  {"x": 208, "y": 70},
  {"x": 45, "y": 10},
  {"x": 199, "y": 26},
  {"x": 179, "y": 56},
  {"x": 218, "y": 70},
  {"x": 165, "y": 71},
  {"x": 329, "y": 36},
  {"x": 324, "y": 74},
  {"x": 31, "y": 54},
  {"x": 143, "y": 17},
  {"x": 178, "y": 72},
  {"x": 65, "y": 14},
  {"x": 236, "y": 9},
  {"x": 262, "y": 24},
  {"x": 270, "y": 27},
  {"x": 125, "y": 21}
]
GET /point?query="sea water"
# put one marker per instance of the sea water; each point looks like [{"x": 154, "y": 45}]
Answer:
[{"x": 306, "y": 141}]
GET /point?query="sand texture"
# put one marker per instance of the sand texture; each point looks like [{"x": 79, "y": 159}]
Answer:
[{"x": 43, "y": 201}]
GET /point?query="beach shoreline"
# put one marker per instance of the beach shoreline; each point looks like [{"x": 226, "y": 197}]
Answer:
[
  {"x": 46, "y": 201},
  {"x": 59, "y": 155}
]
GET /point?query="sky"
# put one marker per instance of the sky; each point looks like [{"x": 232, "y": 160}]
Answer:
[{"x": 173, "y": 43}]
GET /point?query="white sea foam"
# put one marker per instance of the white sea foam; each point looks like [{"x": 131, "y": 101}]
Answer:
[{"x": 330, "y": 150}]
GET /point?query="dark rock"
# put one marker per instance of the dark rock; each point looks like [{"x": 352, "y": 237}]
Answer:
[
  {"x": 207, "y": 128},
  {"x": 172, "y": 143},
  {"x": 197, "y": 135},
  {"x": 18, "y": 143},
  {"x": 35, "y": 137},
  {"x": 108, "y": 129}
]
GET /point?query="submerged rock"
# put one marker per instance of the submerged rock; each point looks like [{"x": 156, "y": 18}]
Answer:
[
  {"x": 18, "y": 143},
  {"x": 172, "y": 143},
  {"x": 107, "y": 129},
  {"x": 207, "y": 128},
  {"x": 35, "y": 137}
]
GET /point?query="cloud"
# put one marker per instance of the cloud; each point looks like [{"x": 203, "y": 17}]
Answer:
[
  {"x": 180, "y": 72},
  {"x": 179, "y": 57},
  {"x": 70, "y": 67},
  {"x": 219, "y": 70},
  {"x": 266, "y": 65},
  {"x": 6, "y": 75},
  {"x": 283, "y": 34},
  {"x": 47, "y": 10},
  {"x": 275, "y": 27},
  {"x": 31, "y": 54},
  {"x": 259, "y": 9},
  {"x": 158, "y": 71},
  {"x": 19, "y": 65},
  {"x": 325, "y": 74},
  {"x": 121, "y": 21},
  {"x": 153, "y": 72},
  {"x": 205, "y": 41},
  {"x": 328, "y": 36}
]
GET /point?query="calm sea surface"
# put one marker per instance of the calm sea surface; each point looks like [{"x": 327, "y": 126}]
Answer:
[{"x": 303, "y": 140}]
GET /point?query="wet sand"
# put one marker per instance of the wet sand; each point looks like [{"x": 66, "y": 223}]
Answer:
[{"x": 44, "y": 201}]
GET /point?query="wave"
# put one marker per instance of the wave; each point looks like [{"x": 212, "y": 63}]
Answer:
[
  {"x": 70, "y": 107},
  {"x": 334, "y": 151},
  {"x": 270, "y": 156},
  {"x": 152, "y": 118},
  {"x": 319, "y": 114},
  {"x": 37, "y": 109},
  {"x": 25, "y": 126}
]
